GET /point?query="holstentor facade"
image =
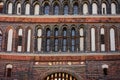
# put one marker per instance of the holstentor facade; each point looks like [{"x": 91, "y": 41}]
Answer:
[{"x": 60, "y": 40}]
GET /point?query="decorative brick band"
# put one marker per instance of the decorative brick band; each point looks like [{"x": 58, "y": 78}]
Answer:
[{"x": 59, "y": 58}]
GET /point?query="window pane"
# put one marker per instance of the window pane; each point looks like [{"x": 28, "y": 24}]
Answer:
[
  {"x": 56, "y": 32},
  {"x": 66, "y": 10},
  {"x": 56, "y": 10},
  {"x": 64, "y": 32},
  {"x": 47, "y": 9},
  {"x": 75, "y": 9},
  {"x": 73, "y": 32},
  {"x": 48, "y": 32}
]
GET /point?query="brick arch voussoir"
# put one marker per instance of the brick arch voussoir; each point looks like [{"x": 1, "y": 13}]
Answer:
[{"x": 71, "y": 72}]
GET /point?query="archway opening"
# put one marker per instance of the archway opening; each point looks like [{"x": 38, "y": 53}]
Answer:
[{"x": 60, "y": 76}]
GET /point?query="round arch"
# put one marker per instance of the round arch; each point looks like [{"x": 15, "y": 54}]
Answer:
[{"x": 61, "y": 70}]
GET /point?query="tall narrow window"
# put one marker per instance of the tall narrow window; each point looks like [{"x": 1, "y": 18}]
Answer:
[
  {"x": 46, "y": 9},
  {"x": 9, "y": 41},
  {"x": 10, "y": 5},
  {"x": 19, "y": 47},
  {"x": 73, "y": 39},
  {"x": 56, "y": 9},
  {"x": 75, "y": 9},
  {"x": 28, "y": 40},
  {"x": 85, "y": 8},
  {"x": 64, "y": 42},
  {"x": 94, "y": 8},
  {"x": 104, "y": 8},
  {"x": 27, "y": 9},
  {"x": 56, "y": 39},
  {"x": 66, "y": 10},
  {"x": 93, "y": 47},
  {"x": 36, "y": 9},
  {"x": 18, "y": 8},
  {"x": 0, "y": 41},
  {"x": 8, "y": 71},
  {"x": 39, "y": 39},
  {"x": 48, "y": 33},
  {"x": 113, "y": 8},
  {"x": 102, "y": 39},
  {"x": 81, "y": 39},
  {"x": 112, "y": 39}
]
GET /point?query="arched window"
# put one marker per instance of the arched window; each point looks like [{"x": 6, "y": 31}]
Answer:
[
  {"x": 39, "y": 39},
  {"x": 113, "y": 8},
  {"x": 8, "y": 70},
  {"x": 1, "y": 37},
  {"x": 73, "y": 39},
  {"x": 46, "y": 9},
  {"x": 64, "y": 42},
  {"x": 28, "y": 40},
  {"x": 48, "y": 33},
  {"x": 66, "y": 10},
  {"x": 112, "y": 39},
  {"x": 56, "y": 39},
  {"x": 102, "y": 39},
  {"x": 75, "y": 9},
  {"x": 93, "y": 47},
  {"x": 18, "y": 8},
  {"x": 94, "y": 8},
  {"x": 104, "y": 8},
  {"x": 36, "y": 9},
  {"x": 19, "y": 47},
  {"x": 85, "y": 8},
  {"x": 27, "y": 9},
  {"x": 81, "y": 31},
  {"x": 56, "y": 9},
  {"x": 9, "y": 41},
  {"x": 10, "y": 5}
]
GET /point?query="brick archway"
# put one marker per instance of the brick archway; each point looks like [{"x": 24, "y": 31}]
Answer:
[{"x": 65, "y": 71}]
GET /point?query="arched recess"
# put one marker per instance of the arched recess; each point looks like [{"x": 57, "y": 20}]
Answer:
[
  {"x": 39, "y": 39},
  {"x": 28, "y": 39},
  {"x": 18, "y": 8},
  {"x": 27, "y": 8},
  {"x": 46, "y": 7},
  {"x": 75, "y": 8},
  {"x": 93, "y": 39},
  {"x": 10, "y": 8},
  {"x": 70, "y": 72},
  {"x": 85, "y": 8},
  {"x": 56, "y": 8},
  {"x": 104, "y": 8},
  {"x": 19, "y": 39},
  {"x": 36, "y": 8},
  {"x": 112, "y": 39},
  {"x": 113, "y": 8},
  {"x": 94, "y": 8},
  {"x": 9, "y": 38}
]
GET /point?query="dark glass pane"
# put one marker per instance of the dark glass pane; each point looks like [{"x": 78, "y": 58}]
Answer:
[
  {"x": 102, "y": 39},
  {"x": 19, "y": 40}
]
